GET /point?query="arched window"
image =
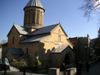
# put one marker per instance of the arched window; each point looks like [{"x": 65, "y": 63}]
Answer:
[
  {"x": 59, "y": 38},
  {"x": 26, "y": 51},
  {"x": 37, "y": 18},
  {"x": 40, "y": 18},
  {"x": 33, "y": 18},
  {"x": 13, "y": 40},
  {"x": 29, "y": 19}
]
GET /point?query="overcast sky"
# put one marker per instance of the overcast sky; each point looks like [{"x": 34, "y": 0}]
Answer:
[{"x": 64, "y": 11}]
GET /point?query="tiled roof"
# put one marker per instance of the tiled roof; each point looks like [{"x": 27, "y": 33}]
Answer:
[
  {"x": 60, "y": 48},
  {"x": 16, "y": 51},
  {"x": 35, "y": 3},
  {"x": 34, "y": 39}
]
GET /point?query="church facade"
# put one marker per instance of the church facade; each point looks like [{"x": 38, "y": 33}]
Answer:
[{"x": 49, "y": 42}]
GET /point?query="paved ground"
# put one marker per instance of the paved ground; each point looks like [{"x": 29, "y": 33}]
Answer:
[
  {"x": 94, "y": 70},
  {"x": 19, "y": 73}
]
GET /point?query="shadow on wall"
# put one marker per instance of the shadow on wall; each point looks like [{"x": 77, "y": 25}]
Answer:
[{"x": 44, "y": 56}]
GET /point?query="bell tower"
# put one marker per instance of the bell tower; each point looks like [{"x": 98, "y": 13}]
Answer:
[{"x": 33, "y": 15}]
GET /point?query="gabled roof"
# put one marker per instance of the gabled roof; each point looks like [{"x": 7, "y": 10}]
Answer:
[
  {"x": 16, "y": 51},
  {"x": 46, "y": 29},
  {"x": 22, "y": 30},
  {"x": 35, "y": 3},
  {"x": 60, "y": 48},
  {"x": 34, "y": 39}
]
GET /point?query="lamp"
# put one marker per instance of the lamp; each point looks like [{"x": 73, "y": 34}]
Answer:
[
  {"x": 85, "y": 46},
  {"x": 86, "y": 50}
]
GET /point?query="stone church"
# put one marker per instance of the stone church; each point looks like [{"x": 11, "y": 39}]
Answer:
[{"x": 49, "y": 42}]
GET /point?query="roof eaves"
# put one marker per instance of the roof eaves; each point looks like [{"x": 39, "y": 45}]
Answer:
[
  {"x": 54, "y": 27},
  {"x": 70, "y": 42},
  {"x": 63, "y": 30},
  {"x": 11, "y": 30},
  {"x": 34, "y": 40}
]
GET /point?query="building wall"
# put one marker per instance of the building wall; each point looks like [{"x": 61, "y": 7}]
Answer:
[
  {"x": 52, "y": 42},
  {"x": 75, "y": 43},
  {"x": 82, "y": 51},
  {"x": 9, "y": 55},
  {"x": 33, "y": 17},
  {"x": 13, "y": 34},
  {"x": 71, "y": 54},
  {"x": 45, "y": 46},
  {"x": 58, "y": 58},
  {"x": 79, "y": 47},
  {"x": 33, "y": 50}
]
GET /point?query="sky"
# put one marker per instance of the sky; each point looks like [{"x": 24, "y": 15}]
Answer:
[{"x": 66, "y": 12}]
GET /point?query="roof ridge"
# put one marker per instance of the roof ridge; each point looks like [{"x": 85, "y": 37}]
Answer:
[{"x": 51, "y": 25}]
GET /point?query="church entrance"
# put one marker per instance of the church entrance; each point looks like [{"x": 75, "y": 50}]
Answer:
[{"x": 66, "y": 59}]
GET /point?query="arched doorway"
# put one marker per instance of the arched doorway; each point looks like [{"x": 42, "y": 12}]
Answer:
[{"x": 66, "y": 59}]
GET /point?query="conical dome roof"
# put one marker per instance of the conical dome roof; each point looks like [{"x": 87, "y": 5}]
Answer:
[{"x": 35, "y": 3}]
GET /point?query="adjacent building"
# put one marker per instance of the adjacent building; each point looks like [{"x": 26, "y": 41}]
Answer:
[{"x": 82, "y": 47}]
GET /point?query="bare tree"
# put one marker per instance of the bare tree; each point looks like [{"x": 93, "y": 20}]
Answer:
[
  {"x": 2, "y": 42},
  {"x": 89, "y": 7}
]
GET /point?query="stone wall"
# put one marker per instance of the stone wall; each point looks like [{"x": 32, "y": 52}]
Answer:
[
  {"x": 33, "y": 50},
  {"x": 33, "y": 17},
  {"x": 13, "y": 38},
  {"x": 8, "y": 55}
]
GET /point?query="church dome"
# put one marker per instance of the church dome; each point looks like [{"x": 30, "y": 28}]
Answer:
[{"x": 34, "y": 3}]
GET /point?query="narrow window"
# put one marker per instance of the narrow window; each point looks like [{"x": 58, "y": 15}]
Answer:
[
  {"x": 37, "y": 18},
  {"x": 25, "y": 18},
  {"x": 13, "y": 40},
  {"x": 29, "y": 19},
  {"x": 26, "y": 51},
  {"x": 33, "y": 18},
  {"x": 59, "y": 38},
  {"x": 40, "y": 19}
]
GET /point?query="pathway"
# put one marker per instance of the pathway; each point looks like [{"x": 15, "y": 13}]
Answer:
[{"x": 94, "y": 70}]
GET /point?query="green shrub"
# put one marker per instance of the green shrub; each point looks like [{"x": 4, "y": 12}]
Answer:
[{"x": 36, "y": 65}]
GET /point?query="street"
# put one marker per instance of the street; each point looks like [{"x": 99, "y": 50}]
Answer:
[{"x": 94, "y": 70}]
